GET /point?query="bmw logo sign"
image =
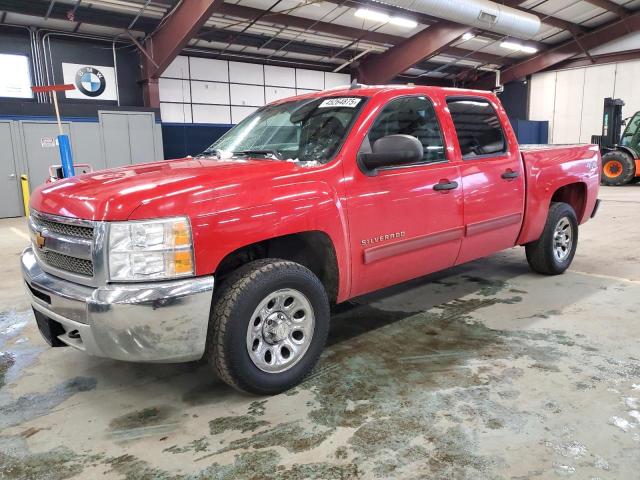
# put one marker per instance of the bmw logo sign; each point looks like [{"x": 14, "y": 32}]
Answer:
[{"x": 90, "y": 81}]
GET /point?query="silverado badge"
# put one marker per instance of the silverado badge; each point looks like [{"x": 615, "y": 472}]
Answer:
[{"x": 40, "y": 240}]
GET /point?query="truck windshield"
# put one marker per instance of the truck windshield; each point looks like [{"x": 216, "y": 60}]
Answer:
[{"x": 310, "y": 130}]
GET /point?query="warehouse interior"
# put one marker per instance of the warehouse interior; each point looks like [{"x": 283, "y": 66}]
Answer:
[{"x": 481, "y": 370}]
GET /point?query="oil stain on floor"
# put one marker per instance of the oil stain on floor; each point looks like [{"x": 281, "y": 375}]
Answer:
[{"x": 398, "y": 394}]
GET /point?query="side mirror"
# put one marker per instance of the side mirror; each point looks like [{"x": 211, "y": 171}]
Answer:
[{"x": 392, "y": 150}]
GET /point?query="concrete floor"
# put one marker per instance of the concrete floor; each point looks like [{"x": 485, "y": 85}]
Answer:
[{"x": 483, "y": 371}]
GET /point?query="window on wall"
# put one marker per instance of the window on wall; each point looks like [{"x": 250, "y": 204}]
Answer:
[
  {"x": 410, "y": 116},
  {"x": 15, "y": 80},
  {"x": 478, "y": 127}
]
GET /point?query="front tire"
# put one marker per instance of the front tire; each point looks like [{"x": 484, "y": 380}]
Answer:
[
  {"x": 553, "y": 252},
  {"x": 269, "y": 323},
  {"x": 618, "y": 168}
]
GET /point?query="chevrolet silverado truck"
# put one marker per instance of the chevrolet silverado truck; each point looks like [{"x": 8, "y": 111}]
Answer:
[{"x": 236, "y": 256}]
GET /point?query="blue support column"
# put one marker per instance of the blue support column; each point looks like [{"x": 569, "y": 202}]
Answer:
[{"x": 66, "y": 156}]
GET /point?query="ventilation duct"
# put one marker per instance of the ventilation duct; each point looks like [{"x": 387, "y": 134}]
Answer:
[{"x": 482, "y": 14}]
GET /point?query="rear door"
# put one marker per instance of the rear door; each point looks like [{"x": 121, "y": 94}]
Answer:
[
  {"x": 492, "y": 177},
  {"x": 400, "y": 226}
]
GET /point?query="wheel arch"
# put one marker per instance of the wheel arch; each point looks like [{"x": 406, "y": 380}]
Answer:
[
  {"x": 313, "y": 249},
  {"x": 575, "y": 194}
]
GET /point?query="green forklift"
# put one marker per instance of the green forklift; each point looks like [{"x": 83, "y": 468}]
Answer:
[{"x": 620, "y": 152}]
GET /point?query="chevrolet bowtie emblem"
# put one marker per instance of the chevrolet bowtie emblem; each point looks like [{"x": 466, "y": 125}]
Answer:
[{"x": 40, "y": 240}]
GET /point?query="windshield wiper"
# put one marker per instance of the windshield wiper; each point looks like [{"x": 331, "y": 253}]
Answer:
[
  {"x": 261, "y": 151},
  {"x": 208, "y": 152}
]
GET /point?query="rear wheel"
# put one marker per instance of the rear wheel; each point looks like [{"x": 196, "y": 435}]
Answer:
[
  {"x": 268, "y": 326},
  {"x": 553, "y": 252},
  {"x": 618, "y": 168}
]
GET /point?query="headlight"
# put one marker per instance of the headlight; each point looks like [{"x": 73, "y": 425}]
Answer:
[{"x": 150, "y": 250}]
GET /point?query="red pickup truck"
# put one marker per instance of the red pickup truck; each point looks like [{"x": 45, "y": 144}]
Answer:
[{"x": 306, "y": 203}]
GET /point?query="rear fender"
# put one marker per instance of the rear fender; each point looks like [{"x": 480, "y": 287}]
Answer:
[{"x": 550, "y": 172}]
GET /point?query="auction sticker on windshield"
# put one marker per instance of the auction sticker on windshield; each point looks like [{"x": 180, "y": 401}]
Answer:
[{"x": 340, "y": 102}]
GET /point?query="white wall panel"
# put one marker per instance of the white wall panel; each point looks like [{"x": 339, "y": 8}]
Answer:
[
  {"x": 598, "y": 85},
  {"x": 627, "y": 77},
  {"x": 211, "y": 114},
  {"x": 279, "y": 76},
  {"x": 249, "y": 95},
  {"x": 309, "y": 79},
  {"x": 174, "y": 90},
  {"x": 179, "y": 68},
  {"x": 240, "y": 113},
  {"x": 210, "y": 92},
  {"x": 543, "y": 98},
  {"x": 276, "y": 93},
  {"x": 568, "y": 110},
  {"x": 209, "y": 69},
  {"x": 234, "y": 84},
  {"x": 573, "y": 105},
  {"x": 175, "y": 112},
  {"x": 332, "y": 80},
  {"x": 246, "y": 73}
]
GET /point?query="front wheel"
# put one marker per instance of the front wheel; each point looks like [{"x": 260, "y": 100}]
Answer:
[
  {"x": 268, "y": 326},
  {"x": 553, "y": 252},
  {"x": 618, "y": 168}
]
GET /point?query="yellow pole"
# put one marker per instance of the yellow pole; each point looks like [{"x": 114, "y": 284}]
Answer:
[{"x": 25, "y": 193}]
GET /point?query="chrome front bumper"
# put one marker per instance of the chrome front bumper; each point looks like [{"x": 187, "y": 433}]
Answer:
[{"x": 138, "y": 322}]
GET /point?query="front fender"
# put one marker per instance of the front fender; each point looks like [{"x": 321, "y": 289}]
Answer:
[{"x": 305, "y": 208}]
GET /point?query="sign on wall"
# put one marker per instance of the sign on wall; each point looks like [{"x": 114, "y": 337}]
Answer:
[
  {"x": 15, "y": 81},
  {"x": 92, "y": 82}
]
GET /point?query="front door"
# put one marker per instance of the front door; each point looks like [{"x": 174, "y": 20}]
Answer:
[
  {"x": 401, "y": 224},
  {"x": 492, "y": 178}
]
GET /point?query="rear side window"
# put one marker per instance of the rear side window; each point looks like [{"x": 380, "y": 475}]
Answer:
[
  {"x": 478, "y": 127},
  {"x": 410, "y": 116}
]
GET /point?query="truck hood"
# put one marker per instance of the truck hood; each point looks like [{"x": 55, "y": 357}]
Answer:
[{"x": 113, "y": 195}]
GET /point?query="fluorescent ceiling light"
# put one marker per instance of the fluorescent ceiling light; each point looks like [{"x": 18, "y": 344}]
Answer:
[
  {"x": 468, "y": 36},
  {"x": 403, "y": 22},
  {"x": 511, "y": 46},
  {"x": 516, "y": 47},
  {"x": 377, "y": 16},
  {"x": 368, "y": 14}
]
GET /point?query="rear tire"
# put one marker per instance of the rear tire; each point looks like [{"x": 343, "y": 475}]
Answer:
[
  {"x": 553, "y": 252},
  {"x": 269, "y": 323},
  {"x": 618, "y": 168}
]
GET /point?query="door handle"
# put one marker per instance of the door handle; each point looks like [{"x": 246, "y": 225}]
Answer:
[
  {"x": 12, "y": 176},
  {"x": 445, "y": 185},
  {"x": 510, "y": 175}
]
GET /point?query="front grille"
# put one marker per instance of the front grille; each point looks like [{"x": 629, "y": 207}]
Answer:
[
  {"x": 64, "y": 228},
  {"x": 68, "y": 264}
]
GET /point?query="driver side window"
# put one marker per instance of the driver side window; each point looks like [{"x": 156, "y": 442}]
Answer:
[{"x": 413, "y": 116}]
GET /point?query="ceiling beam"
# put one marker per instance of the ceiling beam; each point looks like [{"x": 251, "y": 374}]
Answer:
[
  {"x": 179, "y": 27},
  {"x": 561, "y": 53},
  {"x": 288, "y": 20},
  {"x": 556, "y": 22},
  {"x": 610, "y": 6},
  {"x": 168, "y": 40},
  {"x": 600, "y": 59},
  {"x": 384, "y": 67}
]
